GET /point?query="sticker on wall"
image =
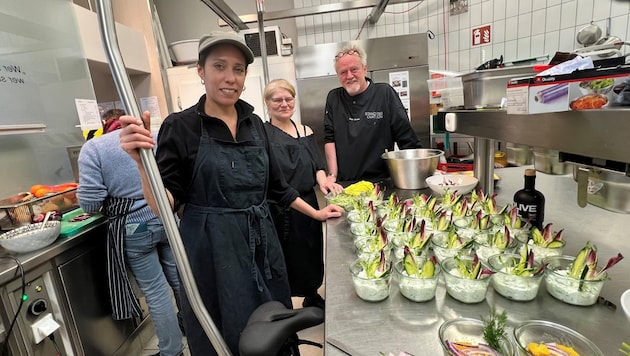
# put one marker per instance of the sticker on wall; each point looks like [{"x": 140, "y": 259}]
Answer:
[
  {"x": 481, "y": 35},
  {"x": 400, "y": 82}
]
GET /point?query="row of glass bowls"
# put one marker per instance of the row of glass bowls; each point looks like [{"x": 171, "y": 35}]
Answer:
[
  {"x": 519, "y": 288},
  {"x": 531, "y": 331}
]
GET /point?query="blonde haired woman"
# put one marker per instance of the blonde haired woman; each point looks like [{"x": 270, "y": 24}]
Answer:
[{"x": 303, "y": 167}]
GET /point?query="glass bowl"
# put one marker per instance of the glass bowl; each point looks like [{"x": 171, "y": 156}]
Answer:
[
  {"x": 512, "y": 286},
  {"x": 31, "y": 237},
  {"x": 468, "y": 330},
  {"x": 465, "y": 290},
  {"x": 484, "y": 249},
  {"x": 540, "y": 252},
  {"x": 439, "y": 244},
  {"x": 369, "y": 289},
  {"x": 568, "y": 289},
  {"x": 415, "y": 288},
  {"x": 540, "y": 331}
]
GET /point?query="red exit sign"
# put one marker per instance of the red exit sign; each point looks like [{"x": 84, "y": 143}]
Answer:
[{"x": 481, "y": 35}]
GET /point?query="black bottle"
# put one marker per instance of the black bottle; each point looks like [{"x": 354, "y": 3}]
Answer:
[{"x": 529, "y": 202}]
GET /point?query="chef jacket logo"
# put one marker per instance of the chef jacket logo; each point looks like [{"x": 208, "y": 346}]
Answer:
[{"x": 373, "y": 116}]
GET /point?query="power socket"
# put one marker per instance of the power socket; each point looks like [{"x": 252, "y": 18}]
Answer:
[{"x": 450, "y": 122}]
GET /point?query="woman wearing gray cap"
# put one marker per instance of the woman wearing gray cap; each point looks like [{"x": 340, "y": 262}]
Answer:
[{"x": 215, "y": 161}]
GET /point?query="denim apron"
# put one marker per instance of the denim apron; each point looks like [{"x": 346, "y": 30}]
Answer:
[{"x": 230, "y": 240}]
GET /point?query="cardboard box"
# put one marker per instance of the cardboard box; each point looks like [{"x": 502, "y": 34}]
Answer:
[{"x": 581, "y": 90}]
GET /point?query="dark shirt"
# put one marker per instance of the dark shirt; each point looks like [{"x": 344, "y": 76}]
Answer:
[
  {"x": 178, "y": 143},
  {"x": 363, "y": 127}
]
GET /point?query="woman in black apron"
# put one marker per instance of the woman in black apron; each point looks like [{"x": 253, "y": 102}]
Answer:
[
  {"x": 215, "y": 160},
  {"x": 298, "y": 156}
]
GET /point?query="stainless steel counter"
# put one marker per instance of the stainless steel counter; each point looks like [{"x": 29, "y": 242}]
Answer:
[{"x": 397, "y": 324}]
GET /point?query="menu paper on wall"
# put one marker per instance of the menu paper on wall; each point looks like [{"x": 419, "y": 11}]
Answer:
[
  {"x": 400, "y": 82},
  {"x": 151, "y": 105},
  {"x": 89, "y": 114}
]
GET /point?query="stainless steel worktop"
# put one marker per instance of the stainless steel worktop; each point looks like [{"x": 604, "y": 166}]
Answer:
[
  {"x": 397, "y": 324},
  {"x": 33, "y": 259}
]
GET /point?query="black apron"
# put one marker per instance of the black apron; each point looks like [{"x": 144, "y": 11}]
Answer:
[
  {"x": 300, "y": 235},
  {"x": 230, "y": 240}
]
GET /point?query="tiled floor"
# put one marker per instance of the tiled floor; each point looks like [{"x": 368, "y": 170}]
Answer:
[{"x": 315, "y": 334}]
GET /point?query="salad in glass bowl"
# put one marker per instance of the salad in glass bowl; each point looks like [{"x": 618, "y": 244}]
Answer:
[
  {"x": 577, "y": 280},
  {"x": 466, "y": 279},
  {"x": 543, "y": 242},
  {"x": 418, "y": 276},
  {"x": 516, "y": 277},
  {"x": 372, "y": 278}
]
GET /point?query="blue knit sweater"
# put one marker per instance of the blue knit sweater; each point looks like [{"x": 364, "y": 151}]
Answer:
[{"x": 105, "y": 169}]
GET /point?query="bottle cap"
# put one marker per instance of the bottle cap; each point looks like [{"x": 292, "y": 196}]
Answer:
[{"x": 530, "y": 172}]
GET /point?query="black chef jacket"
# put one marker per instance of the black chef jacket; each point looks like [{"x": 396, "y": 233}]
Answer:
[{"x": 363, "y": 127}]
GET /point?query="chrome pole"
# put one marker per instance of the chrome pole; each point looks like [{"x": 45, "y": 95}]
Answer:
[
  {"x": 484, "y": 164},
  {"x": 260, "y": 7},
  {"x": 125, "y": 90}
]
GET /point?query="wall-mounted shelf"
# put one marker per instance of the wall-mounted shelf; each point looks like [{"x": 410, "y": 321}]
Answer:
[{"x": 595, "y": 133}]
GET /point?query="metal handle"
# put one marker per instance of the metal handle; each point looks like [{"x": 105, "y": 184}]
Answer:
[
  {"x": 582, "y": 186},
  {"x": 125, "y": 90}
]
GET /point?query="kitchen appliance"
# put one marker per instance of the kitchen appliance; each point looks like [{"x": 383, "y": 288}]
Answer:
[
  {"x": 603, "y": 188},
  {"x": 486, "y": 88},
  {"x": 386, "y": 56},
  {"x": 548, "y": 161}
]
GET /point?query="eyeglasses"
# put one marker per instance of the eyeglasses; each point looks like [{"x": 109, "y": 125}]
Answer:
[
  {"x": 278, "y": 101},
  {"x": 348, "y": 52}
]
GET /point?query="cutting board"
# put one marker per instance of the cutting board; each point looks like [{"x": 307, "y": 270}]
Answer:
[{"x": 69, "y": 228}]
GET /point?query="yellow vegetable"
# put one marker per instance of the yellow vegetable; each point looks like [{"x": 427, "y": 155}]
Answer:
[{"x": 359, "y": 187}]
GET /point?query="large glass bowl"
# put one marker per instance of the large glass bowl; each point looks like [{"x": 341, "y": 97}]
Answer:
[
  {"x": 369, "y": 289},
  {"x": 415, "y": 288},
  {"x": 540, "y": 331},
  {"x": 31, "y": 237},
  {"x": 468, "y": 330},
  {"x": 465, "y": 290},
  {"x": 568, "y": 289},
  {"x": 521, "y": 288}
]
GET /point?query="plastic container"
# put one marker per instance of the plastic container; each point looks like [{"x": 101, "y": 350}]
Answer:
[{"x": 30, "y": 237}]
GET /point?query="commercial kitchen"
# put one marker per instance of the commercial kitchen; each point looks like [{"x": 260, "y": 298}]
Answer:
[{"x": 55, "y": 80}]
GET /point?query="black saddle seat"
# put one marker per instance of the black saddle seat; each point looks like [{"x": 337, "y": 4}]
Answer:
[{"x": 272, "y": 324}]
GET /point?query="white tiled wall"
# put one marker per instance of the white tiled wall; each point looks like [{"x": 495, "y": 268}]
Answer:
[{"x": 520, "y": 28}]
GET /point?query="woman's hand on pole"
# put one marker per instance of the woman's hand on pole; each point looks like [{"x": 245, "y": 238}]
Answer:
[{"x": 134, "y": 135}]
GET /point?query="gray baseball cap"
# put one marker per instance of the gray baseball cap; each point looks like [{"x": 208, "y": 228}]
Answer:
[{"x": 219, "y": 37}]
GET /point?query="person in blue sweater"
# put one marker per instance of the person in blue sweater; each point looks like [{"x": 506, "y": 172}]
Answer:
[{"x": 109, "y": 182}]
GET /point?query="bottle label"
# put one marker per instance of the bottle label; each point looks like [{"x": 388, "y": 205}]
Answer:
[{"x": 526, "y": 208}]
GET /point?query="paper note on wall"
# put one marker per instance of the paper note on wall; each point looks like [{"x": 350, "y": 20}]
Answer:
[
  {"x": 89, "y": 114},
  {"x": 400, "y": 82}
]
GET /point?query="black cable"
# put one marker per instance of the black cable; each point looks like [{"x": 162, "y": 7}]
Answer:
[
  {"x": 52, "y": 338},
  {"x": 17, "y": 313}
]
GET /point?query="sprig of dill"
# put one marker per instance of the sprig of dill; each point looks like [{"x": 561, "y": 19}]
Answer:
[
  {"x": 625, "y": 349},
  {"x": 494, "y": 328}
]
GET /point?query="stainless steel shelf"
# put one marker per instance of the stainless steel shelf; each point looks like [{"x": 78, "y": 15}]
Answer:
[{"x": 595, "y": 133}]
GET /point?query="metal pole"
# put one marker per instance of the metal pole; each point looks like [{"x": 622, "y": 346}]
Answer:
[
  {"x": 125, "y": 90},
  {"x": 484, "y": 164},
  {"x": 260, "y": 7}
]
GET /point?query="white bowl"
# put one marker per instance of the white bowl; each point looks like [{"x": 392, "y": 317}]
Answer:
[
  {"x": 185, "y": 52},
  {"x": 30, "y": 237},
  {"x": 463, "y": 184},
  {"x": 625, "y": 303}
]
